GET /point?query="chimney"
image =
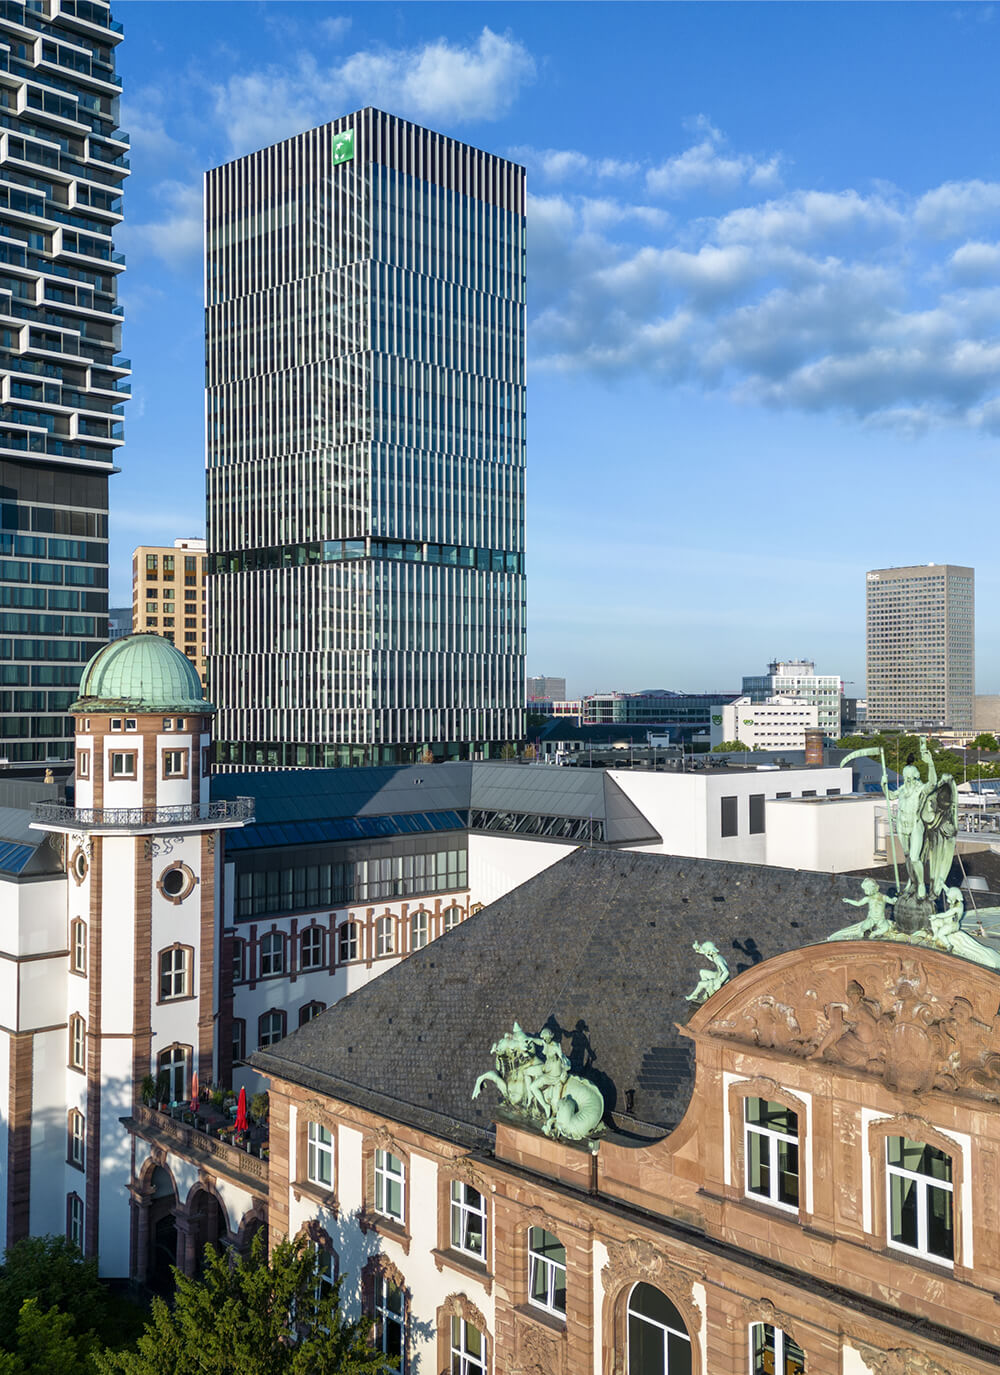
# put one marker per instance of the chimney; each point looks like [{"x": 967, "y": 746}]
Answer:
[{"x": 814, "y": 745}]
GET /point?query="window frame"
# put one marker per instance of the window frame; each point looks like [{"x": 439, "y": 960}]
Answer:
[
  {"x": 75, "y": 1217},
  {"x": 78, "y": 946},
  {"x": 128, "y": 771},
  {"x": 383, "y": 1315},
  {"x": 274, "y": 951},
  {"x": 464, "y": 1362},
  {"x": 781, "y": 1353},
  {"x": 383, "y": 1178},
  {"x": 313, "y": 929},
  {"x": 460, "y": 1210},
  {"x": 76, "y": 1139},
  {"x": 78, "y": 1043},
  {"x": 924, "y": 1184},
  {"x": 317, "y": 1150},
  {"x": 540, "y": 1262},
  {"x": 353, "y": 941},
  {"x": 420, "y": 928},
  {"x": 385, "y": 937},
  {"x": 183, "y": 971},
  {"x": 83, "y": 764},
  {"x": 774, "y": 1139},
  {"x": 282, "y": 1022},
  {"x": 178, "y": 1059},
  {"x": 239, "y": 1040},
  {"x": 169, "y": 773}
]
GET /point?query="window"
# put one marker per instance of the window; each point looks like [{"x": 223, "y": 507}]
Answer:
[
  {"x": 390, "y": 1185},
  {"x": 83, "y": 763},
  {"x": 74, "y": 1220},
  {"x": 730, "y": 816},
  {"x": 546, "y": 1271},
  {"x": 467, "y": 1354},
  {"x": 319, "y": 1168},
  {"x": 131, "y": 723},
  {"x": 756, "y": 813},
  {"x": 122, "y": 764},
  {"x": 239, "y": 961},
  {"x": 921, "y": 1198},
  {"x": 348, "y": 942},
  {"x": 173, "y": 973},
  {"x": 325, "y": 1272},
  {"x": 771, "y": 1145},
  {"x": 77, "y": 1042},
  {"x": 452, "y": 917},
  {"x": 310, "y": 1010},
  {"x": 418, "y": 930},
  {"x": 270, "y": 1029},
  {"x": 172, "y": 1065},
  {"x": 312, "y": 947},
  {"x": 239, "y": 1040},
  {"x": 76, "y": 1143},
  {"x": 383, "y": 936},
  {"x": 772, "y": 1352},
  {"x": 116, "y": 723},
  {"x": 272, "y": 954},
  {"x": 78, "y": 947},
  {"x": 390, "y": 1318},
  {"x": 658, "y": 1342},
  {"x": 468, "y": 1220},
  {"x": 175, "y": 763}
]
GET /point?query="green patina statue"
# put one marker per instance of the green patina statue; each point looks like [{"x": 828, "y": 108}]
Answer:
[
  {"x": 533, "y": 1077},
  {"x": 711, "y": 979},
  {"x": 877, "y": 924}
]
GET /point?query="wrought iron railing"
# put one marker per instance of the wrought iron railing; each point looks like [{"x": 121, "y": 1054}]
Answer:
[{"x": 145, "y": 818}]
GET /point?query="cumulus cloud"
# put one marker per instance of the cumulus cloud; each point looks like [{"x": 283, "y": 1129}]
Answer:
[
  {"x": 335, "y": 28},
  {"x": 440, "y": 81},
  {"x": 176, "y": 238},
  {"x": 707, "y": 166},
  {"x": 561, "y": 164},
  {"x": 858, "y": 303}
]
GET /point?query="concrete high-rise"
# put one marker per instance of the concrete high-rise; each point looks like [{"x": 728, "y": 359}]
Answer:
[
  {"x": 921, "y": 646},
  {"x": 62, "y": 164},
  {"x": 365, "y": 447},
  {"x": 168, "y": 595}
]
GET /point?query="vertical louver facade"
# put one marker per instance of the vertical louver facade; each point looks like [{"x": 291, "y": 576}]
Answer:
[
  {"x": 365, "y": 447},
  {"x": 62, "y": 165}
]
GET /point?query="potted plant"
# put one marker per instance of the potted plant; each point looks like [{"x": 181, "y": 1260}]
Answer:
[
  {"x": 218, "y": 1099},
  {"x": 163, "y": 1092},
  {"x": 259, "y": 1108},
  {"x": 148, "y": 1090}
]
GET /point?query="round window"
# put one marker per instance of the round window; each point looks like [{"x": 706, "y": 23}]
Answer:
[
  {"x": 174, "y": 882},
  {"x": 79, "y": 863}
]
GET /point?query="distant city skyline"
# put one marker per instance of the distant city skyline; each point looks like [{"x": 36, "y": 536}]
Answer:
[{"x": 760, "y": 347}]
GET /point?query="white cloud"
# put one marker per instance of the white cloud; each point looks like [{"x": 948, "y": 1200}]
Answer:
[
  {"x": 957, "y": 208},
  {"x": 706, "y": 166},
  {"x": 804, "y": 216},
  {"x": 559, "y": 164},
  {"x": 441, "y": 80},
  {"x": 976, "y": 262},
  {"x": 335, "y": 28},
  {"x": 177, "y": 237}
]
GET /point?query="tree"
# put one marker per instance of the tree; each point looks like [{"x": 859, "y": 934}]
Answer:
[
  {"x": 52, "y": 1271},
  {"x": 509, "y": 751},
  {"x": 255, "y": 1316},
  {"x": 44, "y": 1344},
  {"x": 986, "y": 740},
  {"x": 729, "y": 747}
]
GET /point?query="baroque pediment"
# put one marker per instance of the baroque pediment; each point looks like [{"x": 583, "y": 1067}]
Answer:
[{"x": 915, "y": 1021}]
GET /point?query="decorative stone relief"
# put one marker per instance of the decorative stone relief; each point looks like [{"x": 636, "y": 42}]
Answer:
[
  {"x": 904, "y": 1361},
  {"x": 883, "y": 1017},
  {"x": 385, "y": 1141},
  {"x": 763, "y": 1310},
  {"x": 537, "y": 1352},
  {"x": 638, "y": 1259},
  {"x": 461, "y": 1306},
  {"x": 463, "y": 1169}
]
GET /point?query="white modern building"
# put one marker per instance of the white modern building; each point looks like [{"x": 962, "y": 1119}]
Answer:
[
  {"x": 365, "y": 445},
  {"x": 779, "y": 723},
  {"x": 62, "y": 381},
  {"x": 798, "y": 678}
]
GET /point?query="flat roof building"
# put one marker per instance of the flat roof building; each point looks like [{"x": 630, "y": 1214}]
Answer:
[
  {"x": 365, "y": 296},
  {"x": 168, "y": 595},
  {"x": 921, "y": 646}
]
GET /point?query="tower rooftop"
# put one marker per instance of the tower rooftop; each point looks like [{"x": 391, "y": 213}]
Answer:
[{"x": 141, "y": 673}]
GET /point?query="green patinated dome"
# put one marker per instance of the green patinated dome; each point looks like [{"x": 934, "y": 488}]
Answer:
[{"x": 141, "y": 673}]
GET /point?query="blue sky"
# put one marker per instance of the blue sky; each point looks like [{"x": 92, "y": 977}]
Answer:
[{"x": 764, "y": 295}]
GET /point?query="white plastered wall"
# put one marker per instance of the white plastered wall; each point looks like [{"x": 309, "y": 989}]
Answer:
[
  {"x": 498, "y": 864},
  {"x": 834, "y": 836}
]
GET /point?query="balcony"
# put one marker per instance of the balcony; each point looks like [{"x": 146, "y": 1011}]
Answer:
[
  {"x": 247, "y": 1164},
  {"x": 54, "y": 816}
]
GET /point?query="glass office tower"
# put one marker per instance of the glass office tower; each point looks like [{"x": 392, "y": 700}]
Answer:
[
  {"x": 62, "y": 164},
  {"x": 365, "y": 447}
]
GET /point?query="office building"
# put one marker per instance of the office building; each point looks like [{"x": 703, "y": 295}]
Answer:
[
  {"x": 61, "y": 375},
  {"x": 365, "y": 447},
  {"x": 779, "y": 723},
  {"x": 119, "y": 622},
  {"x": 548, "y": 690},
  {"x": 798, "y": 678},
  {"x": 921, "y": 646},
  {"x": 684, "y": 715},
  {"x": 168, "y": 595}
]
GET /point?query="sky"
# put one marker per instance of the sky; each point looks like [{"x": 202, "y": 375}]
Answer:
[{"x": 763, "y": 296}]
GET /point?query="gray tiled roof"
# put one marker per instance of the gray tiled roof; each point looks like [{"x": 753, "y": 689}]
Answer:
[{"x": 599, "y": 945}]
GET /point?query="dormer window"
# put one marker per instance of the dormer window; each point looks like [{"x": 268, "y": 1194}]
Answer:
[
  {"x": 921, "y": 1198},
  {"x": 771, "y": 1151}
]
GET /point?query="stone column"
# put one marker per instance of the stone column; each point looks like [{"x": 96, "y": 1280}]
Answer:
[
  {"x": 141, "y": 1206},
  {"x": 187, "y": 1241}
]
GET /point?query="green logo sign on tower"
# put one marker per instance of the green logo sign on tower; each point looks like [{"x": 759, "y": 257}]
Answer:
[{"x": 343, "y": 147}]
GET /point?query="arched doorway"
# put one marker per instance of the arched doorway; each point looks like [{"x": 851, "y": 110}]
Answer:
[
  {"x": 658, "y": 1341},
  {"x": 162, "y": 1232},
  {"x": 208, "y": 1227}
]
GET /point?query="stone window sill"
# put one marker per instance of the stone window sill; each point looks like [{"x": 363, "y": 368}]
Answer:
[
  {"x": 386, "y": 1227},
  {"x": 466, "y": 1264},
  {"x": 552, "y": 1322},
  {"x": 305, "y": 1188}
]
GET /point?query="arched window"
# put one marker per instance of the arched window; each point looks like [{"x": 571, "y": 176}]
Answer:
[
  {"x": 658, "y": 1342},
  {"x": 452, "y": 916},
  {"x": 78, "y": 947},
  {"x": 772, "y": 1352},
  {"x": 77, "y": 1042},
  {"x": 272, "y": 954},
  {"x": 312, "y": 947},
  {"x": 384, "y": 944},
  {"x": 546, "y": 1271},
  {"x": 418, "y": 930},
  {"x": 390, "y": 1318},
  {"x": 172, "y": 1069},
  {"x": 76, "y": 1144},
  {"x": 175, "y": 972},
  {"x": 348, "y": 942},
  {"x": 310, "y": 1010},
  {"x": 468, "y": 1350},
  {"x": 270, "y": 1029}
]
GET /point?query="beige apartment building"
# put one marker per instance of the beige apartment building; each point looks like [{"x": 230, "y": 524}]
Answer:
[
  {"x": 921, "y": 646},
  {"x": 168, "y": 595}
]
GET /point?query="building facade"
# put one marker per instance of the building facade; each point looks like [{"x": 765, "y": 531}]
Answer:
[
  {"x": 685, "y": 715},
  {"x": 365, "y": 447},
  {"x": 777, "y": 723},
  {"x": 62, "y": 379},
  {"x": 548, "y": 690},
  {"x": 921, "y": 646},
  {"x": 798, "y": 678},
  {"x": 168, "y": 595}
]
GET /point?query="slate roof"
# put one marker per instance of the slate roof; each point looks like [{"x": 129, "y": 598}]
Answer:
[
  {"x": 598, "y": 945},
  {"x": 23, "y": 850}
]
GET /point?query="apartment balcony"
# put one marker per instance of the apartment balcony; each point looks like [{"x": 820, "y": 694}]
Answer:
[
  {"x": 192, "y": 1137},
  {"x": 226, "y": 813}
]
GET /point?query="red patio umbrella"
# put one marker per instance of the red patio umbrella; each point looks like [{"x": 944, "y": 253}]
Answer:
[
  {"x": 194, "y": 1092},
  {"x": 241, "y": 1111}
]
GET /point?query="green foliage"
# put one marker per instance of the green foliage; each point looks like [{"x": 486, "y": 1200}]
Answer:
[
  {"x": 509, "y": 751},
  {"x": 986, "y": 740},
  {"x": 51, "y": 1271},
  {"x": 257, "y": 1317},
  {"x": 901, "y": 750},
  {"x": 259, "y": 1107},
  {"x": 729, "y": 747},
  {"x": 44, "y": 1344}
]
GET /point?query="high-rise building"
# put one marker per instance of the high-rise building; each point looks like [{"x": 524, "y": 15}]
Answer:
[
  {"x": 168, "y": 595},
  {"x": 63, "y": 163},
  {"x": 543, "y": 689},
  {"x": 798, "y": 678},
  {"x": 921, "y": 646},
  {"x": 365, "y": 447}
]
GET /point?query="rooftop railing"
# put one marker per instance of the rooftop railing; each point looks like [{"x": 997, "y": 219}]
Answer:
[{"x": 227, "y": 810}]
